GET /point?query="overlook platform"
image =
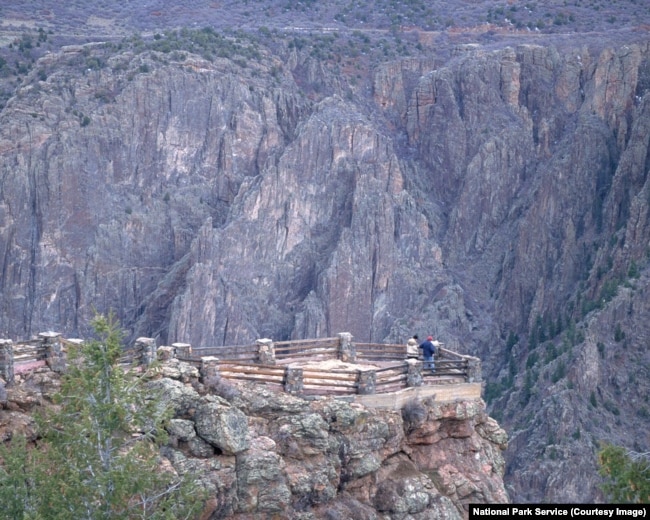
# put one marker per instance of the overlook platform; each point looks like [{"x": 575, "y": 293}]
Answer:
[{"x": 373, "y": 374}]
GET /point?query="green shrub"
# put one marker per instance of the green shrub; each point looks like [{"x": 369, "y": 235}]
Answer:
[
  {"x": 619, "y": 335},
  {"x": 413, "y": 414},
  {"x": 98, "y": 453},
  {"x": 559, "y": 373},
  {"x": 626, "y": 473}
]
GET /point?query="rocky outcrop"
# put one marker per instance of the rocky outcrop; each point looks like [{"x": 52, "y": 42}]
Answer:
[{"x": 260, "y": 453}]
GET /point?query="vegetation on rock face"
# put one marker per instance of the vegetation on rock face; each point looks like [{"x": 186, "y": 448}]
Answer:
[
  {"x": 97, "y": 453},
  {"x": 627, "y": 475},
  {"x": 206, "y": 42}
]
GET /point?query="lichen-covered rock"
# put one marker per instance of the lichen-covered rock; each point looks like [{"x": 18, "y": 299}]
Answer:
[
  {"x": 264, "y": 453},
  {"x": 305, "y": 435},
  {"x": 313, "y": 480},
  {"x": 262, "y": 401},
  {"x": 216, "y": 475},
  {"x": 344, "y": 507},
  {"x": 200, "y": 448},
  {"x": 490, "y": 430},
  {"x": 184, "y": 372},
  {"x": 261, "y": 483},
  {"x": 23, "y": 398},
  {"x": 182, "y": 429},
  {"x": 182, "y": 398},
  {"x": 402, "y": 488},
  {"x": 16, "y": 423},
  {"x": 224, "y": 427}
]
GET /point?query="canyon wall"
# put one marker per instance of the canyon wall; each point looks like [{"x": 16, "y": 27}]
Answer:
[{"x": 500, "y": 193}]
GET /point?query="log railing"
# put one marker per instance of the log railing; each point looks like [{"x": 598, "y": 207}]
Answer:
[
  {"x": 365, "y": 368},
  {"x": 379, "y": 351},
  {"x": 269, "y": 374},
  {"x": 29, "y": 351},
  {"x": 312, "y": 347},
  {"x": 241, "y": 353}
]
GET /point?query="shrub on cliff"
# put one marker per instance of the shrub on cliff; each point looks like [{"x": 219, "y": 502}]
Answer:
[
  {"x": 97, "y": 454},
  {"x": 413, "y": 414},
  {"x": 627, "y": 475}
]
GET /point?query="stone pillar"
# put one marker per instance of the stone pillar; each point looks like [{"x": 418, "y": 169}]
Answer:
[
  {"x": 347, "y": 353},
  {"x": 265, "y": 351},
  {"x": 7, "y": 360},
  {"x": 414, "y": 372},
  {"x": 366, "y": 382},
  {"x": 209, "y": 370},
  {"x": 182, "y": 350},
  {"x": 54, "y": 357},
  {"x": 474, "y": 372},
  {"x": 293, "y": 380},
  {"x": 146, "y": 349},
  {"x": 165, "y": 353}
]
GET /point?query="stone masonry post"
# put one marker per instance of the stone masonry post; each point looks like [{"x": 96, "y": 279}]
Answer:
[
  {"x": 347, "y": 353},
  {"x": 293, "y": 380},
  {"x": 414, "y": 372},
  {"x": 474, "y": 372},
  {"x": 165, "y": 353},
  {"x": 54, "y": 356},
  {"x": 265, "y": 351},
  {"x": 209, "y": 370},
  {"x": 366, "y": 382},
  {"x": 7, "y": 360},
  {"x": 147, "y": 349},
  {"x": 182, "y": 350}
]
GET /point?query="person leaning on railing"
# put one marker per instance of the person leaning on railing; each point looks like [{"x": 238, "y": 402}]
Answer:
[
  {"x": 428, "y": 351},
  {"x": 412, "y": 351}
]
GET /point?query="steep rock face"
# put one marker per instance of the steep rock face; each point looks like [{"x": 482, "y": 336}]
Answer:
[
  {"x": 335, "y": 241},
  {"x": 108, "y": 206},
  {"x": 553, "y": 204},
  {"x": 518, "y": 138},
  {"x": 557, "y": 423},
  {"x": 261, "y": 453}
]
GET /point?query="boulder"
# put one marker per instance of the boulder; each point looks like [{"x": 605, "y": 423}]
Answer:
[
  {"x": 261, "y": 482},
  {"x": 224, "y": 427}
]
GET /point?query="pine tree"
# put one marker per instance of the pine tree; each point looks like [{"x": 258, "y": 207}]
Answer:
[
  {"x": 98, "y": 455},
  {"x": 627, "y": 475}
]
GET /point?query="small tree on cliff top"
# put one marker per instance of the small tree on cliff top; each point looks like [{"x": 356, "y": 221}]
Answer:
[
  {"x": 98, "y": 455},
  {"x": 627, "y": 475}
]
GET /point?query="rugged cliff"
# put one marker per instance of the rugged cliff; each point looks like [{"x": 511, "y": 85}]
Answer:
[
  {"x": 262, "y": 454},
  {"x": 497, "y": 198}
]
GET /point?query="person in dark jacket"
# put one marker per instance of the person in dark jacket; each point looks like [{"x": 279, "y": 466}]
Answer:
[{"x": 428, "y": 351}]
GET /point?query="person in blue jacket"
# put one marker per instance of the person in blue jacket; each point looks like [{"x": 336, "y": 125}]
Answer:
[{"x": 428, "y": 351}]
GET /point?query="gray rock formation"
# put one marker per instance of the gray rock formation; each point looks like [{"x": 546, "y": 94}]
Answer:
[
  {"x": 503, "y": 192},
  {"x": 263, "y": 453}
]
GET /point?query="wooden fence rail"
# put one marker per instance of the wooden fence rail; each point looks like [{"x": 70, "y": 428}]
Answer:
[
  {"x": 249, "y": 372},
  {"x": 24, "y": 353},
  {"x": 236, "y": 352},
  {"x": 366, "y": 368},
  {"x": 379, "y": 351}
]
